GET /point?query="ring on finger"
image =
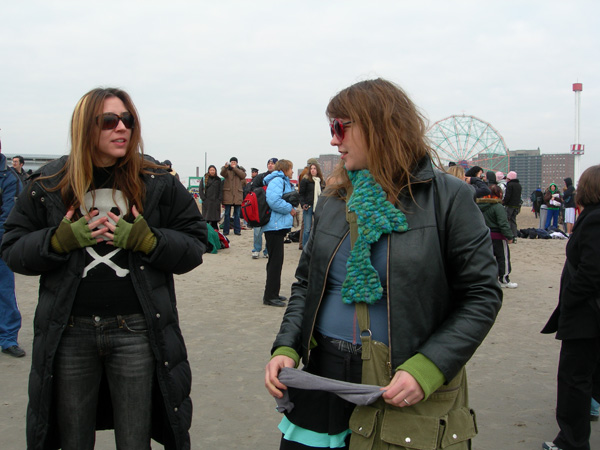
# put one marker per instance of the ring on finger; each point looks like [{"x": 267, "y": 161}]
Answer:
[{"x": 407, "y": 402}]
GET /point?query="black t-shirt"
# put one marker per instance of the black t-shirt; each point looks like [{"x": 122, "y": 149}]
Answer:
[{"x": 106, "y": 288}]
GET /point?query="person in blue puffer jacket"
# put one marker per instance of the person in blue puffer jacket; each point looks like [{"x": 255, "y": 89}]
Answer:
[{"x": 282, "y": 217}]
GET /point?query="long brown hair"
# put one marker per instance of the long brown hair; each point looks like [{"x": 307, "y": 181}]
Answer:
[
  {"x": 393, "y": 130},
  {"x": 85, "y": 136},
  {"x": 308, "y": 174}
]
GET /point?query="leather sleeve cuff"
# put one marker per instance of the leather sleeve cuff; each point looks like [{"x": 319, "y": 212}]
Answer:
[
  {"x": 429, "y": 377},
  {"x": 289, "y": 352}
]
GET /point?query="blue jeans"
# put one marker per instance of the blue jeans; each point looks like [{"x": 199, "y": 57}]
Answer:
[
  {"x": 258, "y": 234},
  {"x": 307, "y": 215},
  {"x": 595, "y": 408},
  {"x": 118, "y": 348},
  {"x": 552, "y": 215},
  {"x": 237, "y": 229},
  {"x": 10, "y": 317}
]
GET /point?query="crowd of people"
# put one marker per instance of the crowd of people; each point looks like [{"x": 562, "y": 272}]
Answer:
[{"x": 106, "y": 227}]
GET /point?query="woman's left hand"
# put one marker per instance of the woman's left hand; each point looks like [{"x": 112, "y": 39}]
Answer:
[
  {"x": 403, "y": 390},
  {"x": 116, "y": 219}
]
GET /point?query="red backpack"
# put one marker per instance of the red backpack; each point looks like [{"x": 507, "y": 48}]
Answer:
[{"x": 255, "y": 209}]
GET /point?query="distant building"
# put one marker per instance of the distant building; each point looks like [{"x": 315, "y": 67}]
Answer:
[
  {"x": 528, "y": 165},
  {"x": 557, "y": 167},
  {"x": 538, "y": 171},
  {"x": 328, "y": 163}
]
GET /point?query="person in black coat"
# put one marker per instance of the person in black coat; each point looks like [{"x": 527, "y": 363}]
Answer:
[
  {"x": 106, "y": 228},
  {"x": 512, "y": 200},
  {"x": 576, "y": 321},
  {"x": 211, "y": 194}
]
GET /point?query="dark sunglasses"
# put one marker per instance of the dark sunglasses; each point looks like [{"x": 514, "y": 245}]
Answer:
[
  {"x": 110, "y": 121},
  {"x": 337, "y": 128}
]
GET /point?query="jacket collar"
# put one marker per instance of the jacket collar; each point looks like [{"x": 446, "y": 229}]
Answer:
[{"x": 423, "y": 171}]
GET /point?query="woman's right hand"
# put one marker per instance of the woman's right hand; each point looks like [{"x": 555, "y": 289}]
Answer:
[
  {"x": 70, "y": 236},
  {"x": 272, "y": 383}
]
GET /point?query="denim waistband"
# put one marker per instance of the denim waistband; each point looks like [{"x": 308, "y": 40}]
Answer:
[{"x": 97, "y": 321}]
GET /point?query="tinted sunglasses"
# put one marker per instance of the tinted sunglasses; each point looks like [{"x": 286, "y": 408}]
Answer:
[
  {"x": 110, "y": 121},
  {"x": 337, "y": 128}
]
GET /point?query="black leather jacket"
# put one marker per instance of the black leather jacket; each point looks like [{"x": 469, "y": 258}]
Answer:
[{"x": 443, "y": 291}]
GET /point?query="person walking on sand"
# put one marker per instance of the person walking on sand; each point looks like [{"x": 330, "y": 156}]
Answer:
[
  {"x": 552, "y": 200},
  {"x": 211, "y": 193},
  {"x": 279, "y": 225},
  {"x": 311, "y": 185},
  {"x": 10, "y": 316},
  {"x": 258, "y": 181},
  {"x": 569, "y": 204},
  {"x": 500, "y": 232},
  {"x": 512, "y": 201},
  {"x": 234, "y": 180}
]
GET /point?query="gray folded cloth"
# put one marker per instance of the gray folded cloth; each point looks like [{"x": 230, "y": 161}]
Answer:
[{"x": 359, "y": 394}]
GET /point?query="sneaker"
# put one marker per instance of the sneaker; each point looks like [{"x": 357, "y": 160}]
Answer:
[
  {"x": 509, "y": 285},
  {"x": 255, "y": 255},
  {"x": 550, "y": 446},
  {"x": 265, "y": 255},
  {"x": 594, "y": 418},
  {"x": 14, "y": 350}
]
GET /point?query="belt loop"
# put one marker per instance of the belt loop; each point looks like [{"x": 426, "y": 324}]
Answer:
[{"x": 120, "y": 321}]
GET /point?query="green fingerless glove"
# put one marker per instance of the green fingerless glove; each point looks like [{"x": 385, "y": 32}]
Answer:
[
  {"x": 70, "y": 236},
  {"x": 135, "y": 236}
]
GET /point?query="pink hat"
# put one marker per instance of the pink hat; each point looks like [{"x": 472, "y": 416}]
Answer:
[
  {"x": 499, "y": 176},
  {"x": 511, "y": 175}
]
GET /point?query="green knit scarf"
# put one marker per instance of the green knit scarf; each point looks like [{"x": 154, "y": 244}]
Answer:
[{"x": 375, "y": 216}]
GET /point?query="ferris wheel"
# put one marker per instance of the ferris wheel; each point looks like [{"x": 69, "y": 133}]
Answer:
[{"x": 469, "y": 141}]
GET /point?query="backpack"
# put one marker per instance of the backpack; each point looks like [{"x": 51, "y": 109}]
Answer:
[{"x": 255, "y": 209}]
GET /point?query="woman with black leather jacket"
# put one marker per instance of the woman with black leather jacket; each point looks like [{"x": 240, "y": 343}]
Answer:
[{"x": 407, "y": 241}]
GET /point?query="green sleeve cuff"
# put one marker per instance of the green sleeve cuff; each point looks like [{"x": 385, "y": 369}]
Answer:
[
  {"x": 429, "y": 377},
  {"x": 289, "y": 352}
]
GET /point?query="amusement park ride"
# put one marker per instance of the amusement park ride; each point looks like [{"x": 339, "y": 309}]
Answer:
[{"x": 469, "y": 141}]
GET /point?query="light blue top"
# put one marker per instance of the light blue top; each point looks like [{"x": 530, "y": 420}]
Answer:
[{"x": 277, "y": 185}]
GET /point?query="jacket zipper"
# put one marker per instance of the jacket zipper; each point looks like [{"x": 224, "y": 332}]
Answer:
[{"x": 389, "y": 361}]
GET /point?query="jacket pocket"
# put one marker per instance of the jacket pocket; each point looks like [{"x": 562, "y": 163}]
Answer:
[
  {"x": 399, "y": 428},
  {"x": 363, "y": 424},
  {"x": 405, "y": 430},
  {"x": 458, "y": 429}
]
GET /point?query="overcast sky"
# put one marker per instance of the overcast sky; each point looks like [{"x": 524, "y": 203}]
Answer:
[{"x": 252, "y": 79}]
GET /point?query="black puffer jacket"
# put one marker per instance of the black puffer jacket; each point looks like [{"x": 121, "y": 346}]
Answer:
[
  {"x": 443, "y": 293},
  {"x": 174, "y": 218}
]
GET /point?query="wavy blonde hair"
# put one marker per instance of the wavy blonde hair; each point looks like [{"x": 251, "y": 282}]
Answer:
[
  {"x": 85, "y": 136},
  {"x": 393, "y": 130}
]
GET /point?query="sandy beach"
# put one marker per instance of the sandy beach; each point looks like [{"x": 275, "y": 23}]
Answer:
[{"x": 229, "y": 334}]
